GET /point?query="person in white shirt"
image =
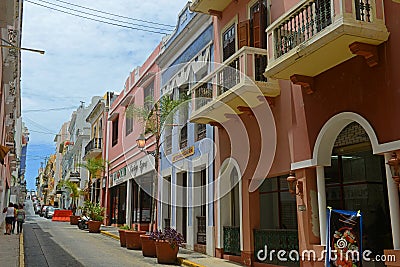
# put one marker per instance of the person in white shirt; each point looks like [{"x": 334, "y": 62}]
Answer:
[{"x": 10, "y": 214}]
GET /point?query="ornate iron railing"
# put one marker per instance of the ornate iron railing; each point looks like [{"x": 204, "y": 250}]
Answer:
[
  {"x": 95, "y": 143},
  {"x": 308, "y": 19},
  {"x": 246, "y": 64},
  {"x": 232, "y": 240},
  {"x": 201, "y": 230},
  {"x": 276, "y": 239}
]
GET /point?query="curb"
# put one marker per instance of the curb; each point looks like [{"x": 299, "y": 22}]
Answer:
[
  {"x": 181, "y": 261},
  {"x": 185, "y": 262},
  {"x": 21, "y": 250},
  {"x": 109, "y": 234}
]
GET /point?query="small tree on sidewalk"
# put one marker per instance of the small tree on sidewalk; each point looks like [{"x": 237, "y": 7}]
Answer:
[
  {"x": 95, "y": 167},
  {"x": 73, "y": 191},
  {"x": 154, "y": 116}
]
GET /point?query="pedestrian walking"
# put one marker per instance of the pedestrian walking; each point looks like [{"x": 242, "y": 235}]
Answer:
[
  {"x": 10, "y": 213},
  {"x": 15, "y": 218},
  {"x": 20, "y": 218}
]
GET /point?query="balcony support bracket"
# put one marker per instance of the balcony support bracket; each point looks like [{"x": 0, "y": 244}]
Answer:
[
  {"x": 270, "y": 100},
  {"x": 216, "y": 124},
  {"x": 246, "y": 110},
  {"x": 217, "y": 13},
  {"x": 368, "y": 51},
  {"x": 306, "y": 82}
]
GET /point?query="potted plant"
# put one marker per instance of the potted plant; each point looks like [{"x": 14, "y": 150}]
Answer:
[
  {"x": 121, "y": 232},
  {"x": 74, "y": 194},
  {"x": 96, "y": 215},
  {"x": 148, "y": 246},
  {"x": 132, "y": 238},
  {"x": 167, "y": 245}
]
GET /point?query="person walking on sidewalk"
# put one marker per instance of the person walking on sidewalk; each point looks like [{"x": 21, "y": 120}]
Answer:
[
  {"x": 15, "y": 218},
  {"x": 20, "y": 218},
  {"x": 10, "y": 212}
]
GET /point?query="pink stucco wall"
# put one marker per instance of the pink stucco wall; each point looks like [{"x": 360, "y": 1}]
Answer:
[{"x": 123, "y": 153}]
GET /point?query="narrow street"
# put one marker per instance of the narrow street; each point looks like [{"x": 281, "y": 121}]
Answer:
[{"x": 48, "y": 243}]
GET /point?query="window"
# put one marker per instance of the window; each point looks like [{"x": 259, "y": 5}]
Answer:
[
  {"x": 128, "y": 125},
  {"x": 229, "y": 45},
  {"x": 115, "y": 132},
  {"x": 280, "y": 204},
  {"x": 200, "y": 131},
  {"x": 142, "y": 204},
  {"x": 184, "y": 135},
  {"x": 149, "y": 96}
]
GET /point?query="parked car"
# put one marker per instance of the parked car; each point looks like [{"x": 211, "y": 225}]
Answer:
[
  {"x": 50, "y": 212},
  {"x": 38, "y": 207},
  {"x": 43, "y": 210}
]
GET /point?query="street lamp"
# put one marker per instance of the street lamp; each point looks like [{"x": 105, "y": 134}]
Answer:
[
  {"x": 293, "y": 183},
  {"x": 141, "y": 141},
  {"x": 394, "y": 163}
]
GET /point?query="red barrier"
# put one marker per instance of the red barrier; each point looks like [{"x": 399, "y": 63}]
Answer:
[{"x": 61, "y": 215}]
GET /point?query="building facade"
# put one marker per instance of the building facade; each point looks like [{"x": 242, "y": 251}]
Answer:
[
  {"x": 74, "y": 149},
  {"x": 131, "y": 172},
  {"x": 187, "y": 148},
  {"x": 10, "y": 108},
  {"x": 331, "y": 61}
]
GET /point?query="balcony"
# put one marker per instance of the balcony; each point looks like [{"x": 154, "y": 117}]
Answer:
[
  {"x": 211, "y": 7},
  {"x": 73, "y": 176},
  {"x": 237, "y": 83},
  {"x": 316, "y": 35},
  {"x": 93, "y": 148}
]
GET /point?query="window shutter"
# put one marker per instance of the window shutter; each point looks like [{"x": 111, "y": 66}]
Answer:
[
  {"x": 257, "y": 29},
  {"x": 244, "y": 34}
]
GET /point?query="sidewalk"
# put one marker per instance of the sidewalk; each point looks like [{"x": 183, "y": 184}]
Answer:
[
  {"x": 9, "y": 249},
  {"x": 185, "y": 257}
]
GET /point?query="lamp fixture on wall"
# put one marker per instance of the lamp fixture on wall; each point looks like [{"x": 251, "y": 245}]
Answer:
[
  {"x": 141, "y": 142},
  {"x": 293, "y": 183},
  {"x": 394, "y": 163}
]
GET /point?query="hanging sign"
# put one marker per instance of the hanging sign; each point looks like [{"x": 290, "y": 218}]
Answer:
[
  {"x": 184, "y": 153},
  {"x": 344, "y": 238}
]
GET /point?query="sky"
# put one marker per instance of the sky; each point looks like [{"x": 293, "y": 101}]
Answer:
[{"x": 83, "y": 58}]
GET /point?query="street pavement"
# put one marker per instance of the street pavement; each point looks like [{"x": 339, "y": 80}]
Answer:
[
  {"x": 9, "y": 249},
  {"x": 48, "y": 243}
]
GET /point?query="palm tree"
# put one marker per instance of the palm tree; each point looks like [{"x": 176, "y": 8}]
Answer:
[
  {"x": 73, "y": 190},
  {"x": 94, "y": 166},
  {"x": 154, "y": 120}
]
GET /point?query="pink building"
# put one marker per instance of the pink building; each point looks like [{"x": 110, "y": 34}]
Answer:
[{"x": 128, "y": 203}]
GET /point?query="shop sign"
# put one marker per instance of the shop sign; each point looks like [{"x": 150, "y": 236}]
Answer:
[
  {"x": 344, "y": 237},
  {"x": 132, "y": 170},
  {"x": 184, "y": 153}
]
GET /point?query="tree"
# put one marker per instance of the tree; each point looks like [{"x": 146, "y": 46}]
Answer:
[
  {"x": 73, "y": 190},
  {"x": 94, "y": 167},
  {"x": 154, "y": 116}
]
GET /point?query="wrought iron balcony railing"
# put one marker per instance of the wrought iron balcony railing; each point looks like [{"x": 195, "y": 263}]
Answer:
[
  {"x": 95, "y": 143},
  {"x": 324, "y": 26},
  {"x": 245, "y": 66},
  {"x": 232, "y": 240}
]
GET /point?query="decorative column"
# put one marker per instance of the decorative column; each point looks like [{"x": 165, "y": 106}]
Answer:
[
  {"x": 129, "y": 202},
  {"x": 394, "y": 206},
  {"x": 321, "y": 203}
]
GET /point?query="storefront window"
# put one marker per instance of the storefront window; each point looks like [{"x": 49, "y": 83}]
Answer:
[
  {"x": 141, "y": 204},
  {"x": 118, "y": 204},
  {"x": 356, "y": 181},
  {"x": 277, "y": 205}
]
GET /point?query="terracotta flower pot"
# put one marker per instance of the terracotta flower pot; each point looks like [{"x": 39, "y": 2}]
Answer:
[
  {"x": 148, "y": 246},
  {"x": 122, "y": 239},
  {"x": 165, "y": 253},
  {"x": 133, "y": 239},
  {"x": 94, "y": 226},
  {"x": 73, "y": 219}
]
